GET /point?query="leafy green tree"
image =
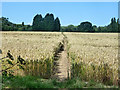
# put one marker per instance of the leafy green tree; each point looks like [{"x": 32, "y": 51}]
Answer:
[
  {"x": 103, "y": 29},
  {"x": 71, "y": 28},
  {"x": 95, "y": 28},
  {"x": 99, "y": 29},
  {"x": 85, "y": 27},
  {"x": 63, "y": 29}
]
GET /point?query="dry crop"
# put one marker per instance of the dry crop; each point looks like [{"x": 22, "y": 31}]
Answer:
[
  {"x": 34, "y": 47},
  {"x": 94, "y": 56}
]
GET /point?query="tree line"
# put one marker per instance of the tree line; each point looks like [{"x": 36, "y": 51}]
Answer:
[
  {"x": 9, "y": 26},
  {"x": 114, "y": 26},
  {"x": 48, "y": 23}
]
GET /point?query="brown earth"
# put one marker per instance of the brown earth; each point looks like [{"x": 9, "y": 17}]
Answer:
[{"x": 62, "y": 67}]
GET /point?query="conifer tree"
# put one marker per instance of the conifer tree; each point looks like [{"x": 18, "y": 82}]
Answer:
[{"x": 57, "y": 24}]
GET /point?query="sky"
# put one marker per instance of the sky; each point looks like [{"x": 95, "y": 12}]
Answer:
[
  {"x": 60, "y": 0},
  {"x": 99, "y": 13}
]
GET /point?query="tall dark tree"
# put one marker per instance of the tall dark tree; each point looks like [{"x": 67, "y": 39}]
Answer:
[
  {"x": 112, "y": 27},
  {"x": 118, "y": 23},
  {"x": 57, "y": 24},
  {"x": 48, "y": 22},
  {"x": 22, "y": 23},
  {"x": 37, "y": 22},
  {"x": 114, "y": 20},
  {"x": 23, "y": 26}
]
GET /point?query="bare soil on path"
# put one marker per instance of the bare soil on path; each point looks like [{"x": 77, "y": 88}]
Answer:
[{"x": 62, "y": 65}]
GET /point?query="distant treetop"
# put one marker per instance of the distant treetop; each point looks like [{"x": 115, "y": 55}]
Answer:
[{"x": 48, "y": 23}]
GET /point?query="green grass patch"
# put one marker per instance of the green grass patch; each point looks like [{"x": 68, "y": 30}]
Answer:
[{"x": 37, "y": 82}]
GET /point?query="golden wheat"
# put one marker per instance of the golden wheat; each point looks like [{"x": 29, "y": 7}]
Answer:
[
  {"x": 29, "y": 45},
  {"x": 95, "y": 50},
  {"x": 34, "y": 47}
]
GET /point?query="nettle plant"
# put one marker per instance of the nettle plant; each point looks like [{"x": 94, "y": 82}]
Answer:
[{"x": 10, "y": 62}]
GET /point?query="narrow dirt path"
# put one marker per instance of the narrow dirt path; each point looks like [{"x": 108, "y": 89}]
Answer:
[{"x": 62, "y": 67}]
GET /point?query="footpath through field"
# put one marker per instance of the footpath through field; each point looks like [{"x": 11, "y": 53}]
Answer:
[{"x": 62, "y": 68}]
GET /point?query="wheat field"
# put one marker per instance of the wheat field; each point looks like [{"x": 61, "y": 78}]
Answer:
[
  {"x": 98, "y": 52},
  {"x": 36, "y": 48},
  {"x": 30, "y": 45},
  {"x": 92, "y": 55}
]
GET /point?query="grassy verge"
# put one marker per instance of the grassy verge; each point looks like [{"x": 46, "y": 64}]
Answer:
[{"x": 37, "y": 82}]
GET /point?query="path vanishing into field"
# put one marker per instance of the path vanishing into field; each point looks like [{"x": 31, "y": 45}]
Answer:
[{"x": 62, "y": 64}]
